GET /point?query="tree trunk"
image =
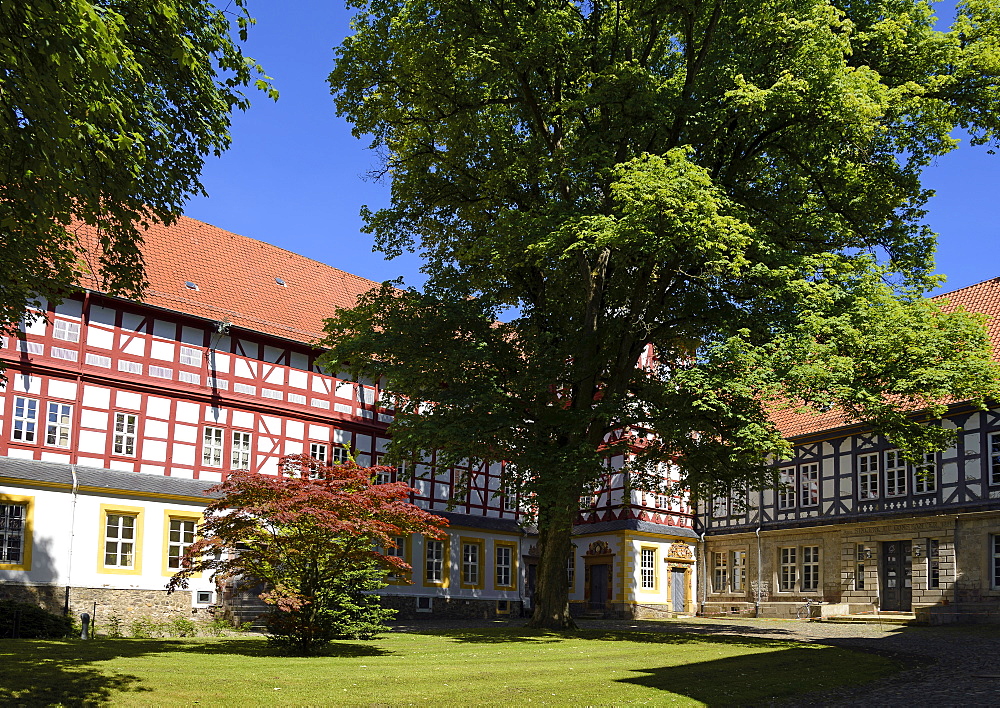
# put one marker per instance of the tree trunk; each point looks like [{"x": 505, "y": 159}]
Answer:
[{"x": 551, "y": 585}]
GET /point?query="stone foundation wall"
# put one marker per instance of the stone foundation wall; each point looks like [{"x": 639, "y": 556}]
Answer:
[
  {"x": 127, "y": 604},
  {"x": 448, "y": 608}
]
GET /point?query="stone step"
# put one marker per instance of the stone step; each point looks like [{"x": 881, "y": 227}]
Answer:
[{"x": 897, "y": 618}]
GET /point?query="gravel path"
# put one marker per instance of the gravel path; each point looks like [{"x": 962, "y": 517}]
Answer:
[{"x": 948, "y": 666}]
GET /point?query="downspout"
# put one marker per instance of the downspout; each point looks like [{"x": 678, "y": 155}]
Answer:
[
  {"x": 704, "y": 578},
  {"x": 756, "y": 594},
  {"x": 72, "y": 533}
]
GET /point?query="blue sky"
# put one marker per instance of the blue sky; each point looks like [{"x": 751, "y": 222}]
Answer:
[{"x": 295, "y": 176}]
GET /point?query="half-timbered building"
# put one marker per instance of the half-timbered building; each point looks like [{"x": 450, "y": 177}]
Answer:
[
  {"x": 117, "y": 415},
  {"x": 853, "y": 527}
]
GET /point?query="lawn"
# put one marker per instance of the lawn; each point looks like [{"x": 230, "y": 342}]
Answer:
[{"x": 469, "y": 667}]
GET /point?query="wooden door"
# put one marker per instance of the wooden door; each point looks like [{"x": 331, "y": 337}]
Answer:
[
  {"x": 897, "y": 576},
  {"x": 599, "y": 586},
  {"x": 678, "y": 590}
]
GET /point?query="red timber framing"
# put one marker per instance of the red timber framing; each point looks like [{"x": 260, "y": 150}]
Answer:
[{"x": 154, "y": 391}]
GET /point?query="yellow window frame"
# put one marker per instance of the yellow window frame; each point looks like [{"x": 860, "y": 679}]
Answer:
[
  {"x": 179, "y": 515},
  {"x": 445, "y": 563},
  {"x": 27, "y": 531},
  {"x": 513, "y": 565},
  {"x": 463, "y": 541},
  {"x": 120, "y": 510}
]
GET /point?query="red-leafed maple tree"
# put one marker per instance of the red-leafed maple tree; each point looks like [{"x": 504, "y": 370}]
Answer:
[{"x": 316, "y": 537}]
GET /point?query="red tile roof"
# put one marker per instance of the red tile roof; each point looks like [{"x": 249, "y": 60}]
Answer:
[
  {"x": 235, "y": 276},
  {"x": 982, "y": 298}
]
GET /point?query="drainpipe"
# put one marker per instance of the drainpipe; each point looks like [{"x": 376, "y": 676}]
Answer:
[
  {"x": 72, "y": 533},
  {"x": 704, "y": 578},
  {"x": 756, "y": 595}
]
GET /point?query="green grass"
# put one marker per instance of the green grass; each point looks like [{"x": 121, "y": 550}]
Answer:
[{"x": 452, "y": 668}]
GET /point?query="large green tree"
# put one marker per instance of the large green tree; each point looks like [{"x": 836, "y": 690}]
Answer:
[
  {"x": 107, "y": 111},
  {"x": 730, "y": 188}
]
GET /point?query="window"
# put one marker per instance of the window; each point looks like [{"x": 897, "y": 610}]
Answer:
[
  {"x": 66, "y": 331},
  {"x": 13, "y": 527},
  {"x": 809, "y": 480},
  {"x": 98, "y": 360},
  {"x": 180, "y": 536},
  {"x": 503, "y": 555},
  {"x": 434, "y": 566},
  {"x": 720, "y": 507},
  {"x": 647, "y": 568},
  {"x": 859, "y": 568},
  {"x": 787, "y": 569},
  {"x": 189, "y": 377},
  {"x": 933, "y": 563},
  {"x": 161, "y": 372},
  {"x": 995, "y": 560},
  {"x": 203, "y": 597},
  {"x": 720, "y": 572},
  {"x": 340, "y": 455},
  {"x": 868, "y": 476},
  {"x": 211, "y": 449},
  {"x": 123, "y": 442},
  {"x": 396, "y": 549},
  {"x": 571, "y": 568},
  {"x": 895, "y": 474},
  {"x": 190, "y": 356},
  {"x": 994, "y": 458},
  {"x": 472, "y": 552},
  {"x": 119, "y": 540},
  {"x": 64, "y": 354},
  {"x": 25, "y": 420},
  {"x": 587, "y": 501},
  {"x": 240, "y": 458},
  {"x": 317, "y": 451},
  {"x": 383, "y": 476},
  {"x": 739, "y": 571},
  {"x": 510, "y": 497},
  {"x": 786, "y": 489},
  {"x": 925, "y": 474},
  {"x": 130, "y": 367},
  {"x": 57, "y": 424},
  {"x": 810, "y": 568}
]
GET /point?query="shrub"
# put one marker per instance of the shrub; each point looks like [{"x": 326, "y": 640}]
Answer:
[
  {"x": 145, "y": 628},
  {"x": 115, "y": 627},
  {"x": 27, "y": 621},
  {"x": 182, "y": 627}
]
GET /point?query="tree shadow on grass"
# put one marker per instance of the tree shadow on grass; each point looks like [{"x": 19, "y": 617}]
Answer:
[
  {"x": 37, "y": 672},
  {"x": 761, "y": 678},
  {"x": 524, "y": 635}
]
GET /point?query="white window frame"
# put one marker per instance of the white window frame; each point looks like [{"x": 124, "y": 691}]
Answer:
[
  {"x": 180, "y": 535},
  {"x": 994, "y": 443},
  {"x": 213, "y": 446},
  {"x": 995, "y": 560},
  {"x": 787, "y": 492},
  {"x": 339, "y": 455},
  {"x": 896, "y": 474},
  {"x": 58, "y": 424},
  {"x": 124, "y": 436},
  {"x": 810, "y": 569},
  {"x": 738, "y": 576},
  {"x": 242, "y": 450},
  {"x": 925, "y": 474},
  {"x": 471, "y": 555},
  {"x": 120, "y": 546},
  {"x": 868, "y": 474},
  {"x": 434, "y": 561},
  {"x": 509, "y": 498},
  {"x": 317, "y": 451},
  {"x": 504, "y": 562},
  {"x": 13, "y": 521},
  {"x": 809, "y": 484},
  {"x": 788, "y": 569},
  {"x": 190, "y": 356},
  {"x": 720, "y": 571},
  {"x": 647, "y": 568},
  {"x": 383, "y": 477},
  {"x": 24, "y": 422},
  {"x": 720, "y": 506},
  {"x": 65, "y": 330}
]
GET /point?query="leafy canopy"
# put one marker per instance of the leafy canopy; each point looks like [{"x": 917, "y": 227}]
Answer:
[
  {"x": 315, "y": 536},
  {"x": 107, "y": 111},
  {"x": 726, "y": 193}
]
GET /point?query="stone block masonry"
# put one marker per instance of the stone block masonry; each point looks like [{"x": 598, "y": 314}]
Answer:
[{"x": 127, "y": 604}]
